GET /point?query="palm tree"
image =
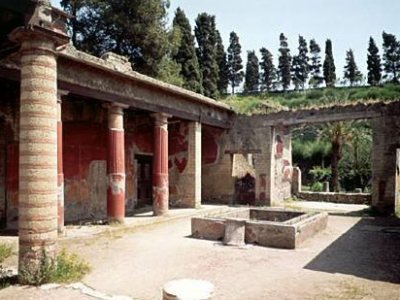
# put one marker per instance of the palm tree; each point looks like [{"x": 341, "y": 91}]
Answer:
[{"x": 337, "y": 134}]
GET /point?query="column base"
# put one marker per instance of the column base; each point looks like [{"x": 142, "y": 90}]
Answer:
[{"x": 115, "y": 221}]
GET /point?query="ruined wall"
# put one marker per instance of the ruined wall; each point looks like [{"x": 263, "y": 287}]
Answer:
[
  {"x": 84, "y": 158},
  {"x": 178, "y": 145},
  {"x": 386, "y": 141},
  {"x": 218, "y": 184},
  {"x": 272, "y": 156},
  {"x": 185, "y": 164},
  {"x": 282, "y": 164}
]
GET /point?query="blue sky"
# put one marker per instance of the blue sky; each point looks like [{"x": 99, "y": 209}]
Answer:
[{"x": 348, "y": 23}]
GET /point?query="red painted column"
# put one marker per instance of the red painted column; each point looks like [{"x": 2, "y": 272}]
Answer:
[
  {"x": 160, "y": 165},
  {"x": 60, "y": 169},
  {"x": 116, "y": 165}
]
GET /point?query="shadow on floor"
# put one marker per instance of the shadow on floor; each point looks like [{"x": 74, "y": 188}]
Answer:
[{"x": 370, "y": 250}]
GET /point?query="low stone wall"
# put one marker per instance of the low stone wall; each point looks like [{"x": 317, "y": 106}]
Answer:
[{"x": 345, "y": 198}]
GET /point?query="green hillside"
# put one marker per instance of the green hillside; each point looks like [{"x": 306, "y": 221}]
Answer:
[{"x": 269, "y": 102}]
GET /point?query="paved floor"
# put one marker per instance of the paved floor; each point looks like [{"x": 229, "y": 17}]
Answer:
[{"x": 354, "y": 258}]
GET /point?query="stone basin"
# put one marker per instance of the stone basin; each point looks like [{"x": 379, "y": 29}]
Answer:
[{"x": 267, "y": 227}]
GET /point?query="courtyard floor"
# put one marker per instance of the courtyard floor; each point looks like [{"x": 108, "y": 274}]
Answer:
[{"x": 354, "y": 258}]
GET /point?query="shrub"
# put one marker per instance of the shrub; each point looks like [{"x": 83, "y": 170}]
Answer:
[
  {"x": 317, "y": 187},
  {"x": 70, "y": 268},
  {"x": 321, "y": 174},
  {"x": 67, "y": 268}
]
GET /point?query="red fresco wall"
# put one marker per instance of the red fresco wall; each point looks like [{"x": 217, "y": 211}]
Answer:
[{"x": 209, "y": 142}]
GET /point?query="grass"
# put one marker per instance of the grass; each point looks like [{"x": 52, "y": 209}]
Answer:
[{"x": 275, "y": 101}]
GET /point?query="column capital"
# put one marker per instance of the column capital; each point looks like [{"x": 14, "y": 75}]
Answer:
[
  {"x": 45, "y": 23},
  {"x": 161, "y": 119},
  {"x": 115, "y": 108}
]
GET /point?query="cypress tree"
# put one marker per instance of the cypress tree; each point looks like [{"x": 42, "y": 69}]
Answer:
[
  {"x": 186, "y": 54},
  {"x": 268, "y": 71},
  {"x": 222, "y": 62},
  {"x": 300, "y": 66},
  {"x": 329, "y": 65},
  {"x": 315, "y": 66},
  {"x": 391, "y": 57},
  {"x": 374, "y": 64},
  {"x": 351, "y": 70},
  {"x": 235, "y": 65},
  {"x": 252, "y": 78},
  {"x": 205, "y": 32},
  {"x": 285, "y": 61},
  {"x": 296, "y": 72}
]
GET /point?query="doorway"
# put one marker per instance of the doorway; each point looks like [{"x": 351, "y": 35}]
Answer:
[{"x": 144, "y": 180}]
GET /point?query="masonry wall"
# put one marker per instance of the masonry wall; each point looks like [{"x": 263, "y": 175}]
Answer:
[
  {"x": 84, "y": 159},
  {"x": 386, "y": 141},
  {"x": 281, "y": 164},
  {"x": 179, "y": 181},
  {"x": 218, "y": 184}
]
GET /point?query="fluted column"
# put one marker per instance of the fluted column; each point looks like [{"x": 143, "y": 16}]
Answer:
[
  {"x": 160, "y": 165},
  {"x": 116, "y": 165}
]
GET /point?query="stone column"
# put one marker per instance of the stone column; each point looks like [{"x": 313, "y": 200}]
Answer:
[
  {"x": 192, "y": 181},
  {"x": 116, "y": 165},
  {"x": 38, "y": 153},
  {"x": 160, "y": 165},
  {"x": 38, "y": 141},
  {"x": 60, "y": 169}
]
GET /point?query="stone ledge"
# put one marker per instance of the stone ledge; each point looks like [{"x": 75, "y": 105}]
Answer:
[{"x": 345, "y": 198}]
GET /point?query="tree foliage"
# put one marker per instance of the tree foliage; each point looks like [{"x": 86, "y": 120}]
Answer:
[
  {"x": 235, "y": 65},
  {"x": 329, "y": 65},
  {"x": 134, "y": 28},
  {"x": 285, "y": 61},
  {"x": 316, "y": 78},
  {"x": 185, "y": 55},
  {"x": 223, "y": 71},
  {"x": 351, "y": 72},
  {"x": 337, "y": 134},
  {"x": 268, "y": 71},
  {"x": 206, "y": 36},
  {"x": 391, "y": 57},
  {"x": 252, "y": 78},
  {"x": 300, "y": 65},
  {"x": 374, "y": 64}
]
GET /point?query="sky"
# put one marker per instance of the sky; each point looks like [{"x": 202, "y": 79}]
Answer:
[{"x": 258, "y": 23}]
